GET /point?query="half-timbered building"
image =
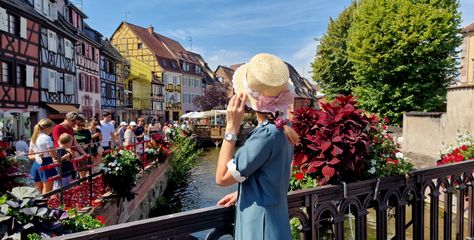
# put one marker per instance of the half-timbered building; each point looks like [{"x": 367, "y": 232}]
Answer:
[
  {"x": 138, "y": 43},
  {"x": 86, "y": 51},
  {"x": 19, "y": 69},
  {"x": 109, "y": 58}
]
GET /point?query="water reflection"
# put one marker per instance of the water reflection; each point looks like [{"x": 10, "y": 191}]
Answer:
[{"x": 201, "y": 190}]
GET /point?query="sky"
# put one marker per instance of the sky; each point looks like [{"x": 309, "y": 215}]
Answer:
[{"x": 226, "y": 32}]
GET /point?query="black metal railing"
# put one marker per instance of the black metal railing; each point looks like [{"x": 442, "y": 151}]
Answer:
[
  {"x": 323, "y": 211},
  {"x": 136, "y": 146}
]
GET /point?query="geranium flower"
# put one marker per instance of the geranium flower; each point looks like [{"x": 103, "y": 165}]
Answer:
[
  {"x": 101, "y": 219},
  {"x": 299, "y": 176},
  {"x": 392, "y": 161}
]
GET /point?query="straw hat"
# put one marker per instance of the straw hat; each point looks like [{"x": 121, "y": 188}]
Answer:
[{"x": 265, "y": 80}]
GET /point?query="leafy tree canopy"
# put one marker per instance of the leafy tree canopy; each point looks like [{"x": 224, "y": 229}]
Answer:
[{"x": 212, "y": 98}]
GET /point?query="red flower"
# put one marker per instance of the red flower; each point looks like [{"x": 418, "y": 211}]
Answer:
[
  {"x": 101, "y": 219},
  {"x": 464, "y": 147},
  {"x": 299, "y": 176},
  {"x": 392, "y": 161}
]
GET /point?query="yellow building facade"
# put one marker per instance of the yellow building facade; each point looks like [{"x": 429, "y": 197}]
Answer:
[
  {"x": 467, "y": 55},
  {"x": 140, "y": 75},
  {"x": 131, "y": 43}
]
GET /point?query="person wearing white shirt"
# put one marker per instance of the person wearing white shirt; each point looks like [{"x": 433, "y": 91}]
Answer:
[
  {"x": 43, "y": 153},
  {"x": 108, "y": 130}
]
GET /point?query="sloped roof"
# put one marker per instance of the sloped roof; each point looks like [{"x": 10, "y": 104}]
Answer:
[
  {"x": 469, "y": 28},
  {"x": 235, "y": 66},
  {"x": 303, "y": 87},
  {"x": 151, "y": 41},
  {"x": 209, "y": 75},
  {"x": 110, "y": 50},
  {"x": 228, "y": 72}
]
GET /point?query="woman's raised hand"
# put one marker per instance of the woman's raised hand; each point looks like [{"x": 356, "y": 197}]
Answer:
[{"x": 235, "y": 112}]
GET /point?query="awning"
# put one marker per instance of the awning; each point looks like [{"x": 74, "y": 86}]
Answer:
[{"x": 63, "y": 108}]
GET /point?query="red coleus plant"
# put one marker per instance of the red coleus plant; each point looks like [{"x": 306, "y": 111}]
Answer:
[{"x": 334, "y": 140}]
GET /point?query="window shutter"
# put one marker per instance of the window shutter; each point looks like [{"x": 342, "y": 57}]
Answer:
[
  {"x": 23, "y": 26},
  {"x": 69, "y": 84},
  {"x": 30, "y": 75},
  {"x": 67, "y": 48},
  {"x": 51, "y": 41},
  {"x": 44, "y": 78},
  {"x": 46, "y": 7},
  {"x": 54, "y": 11},
  {"x": 3, "y": 20},
  {"x": 52, "y": 81},
  {"x": 38, "y": 5},
  {"x": 59, "y": 82}
]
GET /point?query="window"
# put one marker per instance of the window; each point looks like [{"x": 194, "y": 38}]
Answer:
[
  {"x": 82, "y": 82},
  {"x": 108, "y": 91},
  {"x": 139, "y": 45},
  {"x": 6, "y": 72},
  {"x": 69, "y": 84},
  {"x": 197, "y": 69},
  {"x": 83, "y": 49},
  {"x": 20, "y": 75},
  {"x": 164, "y": 63},
  {"x": 13, "y": 25},
  {"x": 173, "y": 65}
]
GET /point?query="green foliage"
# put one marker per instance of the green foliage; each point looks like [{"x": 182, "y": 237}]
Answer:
[
  {"x": 331, "y": 68},
  {"x": 24, "y": 214},
  {"x": 300, "y": 180},
  {"x": 121, "y": 169},
  {"x": 403, "y": 54},
  {"x": 80, "y": 222},
  {"x": 184, "y": 156},
  {"x": 34, "y": 236}
]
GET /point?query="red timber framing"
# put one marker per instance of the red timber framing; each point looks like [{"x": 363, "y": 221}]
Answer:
[{"x": 19, "y": 60}]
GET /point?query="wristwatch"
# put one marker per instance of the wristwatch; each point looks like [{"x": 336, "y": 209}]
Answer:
[{"x": 230, "y": 137}]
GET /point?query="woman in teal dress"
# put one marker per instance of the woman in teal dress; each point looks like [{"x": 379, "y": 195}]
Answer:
[{"x": 262, "y": 165}]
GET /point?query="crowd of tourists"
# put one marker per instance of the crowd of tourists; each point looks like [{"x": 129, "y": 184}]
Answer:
[{"x": 75, "y": 138}]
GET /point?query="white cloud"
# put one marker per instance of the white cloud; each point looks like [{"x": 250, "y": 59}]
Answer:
[
  {"x": 225, "y": 57},
  {"x": 301, "y": 60}
]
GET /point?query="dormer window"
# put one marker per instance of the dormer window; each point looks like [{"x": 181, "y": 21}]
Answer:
[
  {"x": 197, "y": 69},
  {"x": 139, "y": 45}
]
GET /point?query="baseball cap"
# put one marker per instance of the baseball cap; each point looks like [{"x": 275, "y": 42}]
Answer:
[
  {"x": 133, "y": 123},
  {"x": 123, "y": 124}
]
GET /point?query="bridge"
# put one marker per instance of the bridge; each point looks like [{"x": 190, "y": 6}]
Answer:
[{"x": 441, "y": 200}]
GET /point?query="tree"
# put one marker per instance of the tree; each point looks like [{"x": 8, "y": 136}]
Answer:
[
  {"x": 213, "y": 97},
  {"x": 331, "y": 68},
  {"x": 403, "y": 54}
]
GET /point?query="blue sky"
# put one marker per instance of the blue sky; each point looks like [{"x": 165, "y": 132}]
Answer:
[{"x": 226, "y": 32}]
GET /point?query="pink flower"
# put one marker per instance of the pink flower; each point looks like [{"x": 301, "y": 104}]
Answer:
[{"x": 280, "y": 122}]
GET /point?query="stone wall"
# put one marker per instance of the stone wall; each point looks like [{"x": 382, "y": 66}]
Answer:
[
  {"x": 151, "y": 185},
  {"x": 424, "y": 133}
]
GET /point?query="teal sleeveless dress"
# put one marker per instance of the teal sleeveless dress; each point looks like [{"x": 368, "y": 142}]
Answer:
[{"x": 262, "y": 205}]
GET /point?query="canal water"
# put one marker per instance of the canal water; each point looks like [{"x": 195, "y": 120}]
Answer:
[{"x": 201, "y": 190}]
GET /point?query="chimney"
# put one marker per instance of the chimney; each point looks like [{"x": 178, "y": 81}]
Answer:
[{"x": 150, "y": 29}]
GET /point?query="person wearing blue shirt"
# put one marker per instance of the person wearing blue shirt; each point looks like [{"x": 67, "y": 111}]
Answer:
[{"x": 261, "y": 167}]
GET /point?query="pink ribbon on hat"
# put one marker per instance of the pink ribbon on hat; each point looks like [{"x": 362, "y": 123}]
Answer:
[
  {"x": 273, "y": 104},
  {"x": 266, "y": 103}
]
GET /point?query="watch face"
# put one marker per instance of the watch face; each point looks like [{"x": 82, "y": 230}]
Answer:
[{"x": 229, "y": 136}]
